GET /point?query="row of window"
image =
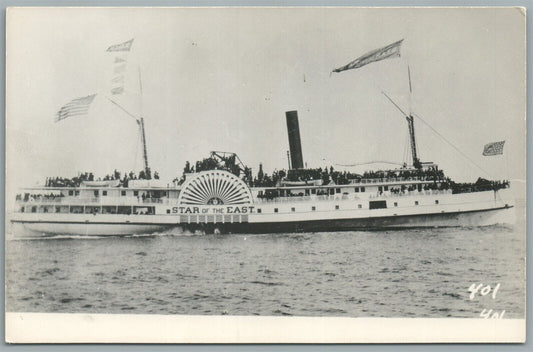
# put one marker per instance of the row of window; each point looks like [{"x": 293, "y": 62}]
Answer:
[
  {"x": 313, "y": 208},
  {"x": 416, "y": 202},
  {"x": 372, "y": 205},
  {"x": 80, "y": 209},
  {"x": 104, "y": 193},
  {"x": 96, "y": 193}
]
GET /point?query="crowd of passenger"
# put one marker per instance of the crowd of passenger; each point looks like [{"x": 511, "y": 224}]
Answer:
[
  {"x": 479, "y": 186},
  {"x": 328, "y": 175},
  {"x": 332, "y": 176},
  {"x": 30, "y": 197},
  {"x": 89, "y": 177},
  {"x": 431, "y": 173},
  {"x": 69, "y": 182},
  {"x": 210, "y": 163}
]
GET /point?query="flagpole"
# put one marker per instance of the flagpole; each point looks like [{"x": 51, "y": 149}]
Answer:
[{"x": 141, "y": 124}]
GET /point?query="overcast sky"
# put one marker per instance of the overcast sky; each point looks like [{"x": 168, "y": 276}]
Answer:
[{"x": 222, "y": 79}]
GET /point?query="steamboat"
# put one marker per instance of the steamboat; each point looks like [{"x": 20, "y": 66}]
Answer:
[{"x": 220, "y": 195}]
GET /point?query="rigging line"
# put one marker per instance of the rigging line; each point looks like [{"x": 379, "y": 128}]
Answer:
[
  {"x": 393, "y": 103},
  {"x": 140, "y": 82},
  {"x": 126, "y": 111},
  {"x": 452, "y": 145}
]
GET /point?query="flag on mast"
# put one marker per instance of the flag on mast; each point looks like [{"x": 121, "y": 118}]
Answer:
[
  {"x": 120, "y": 65},
  {"x": 387, "y": 52},
  {"x": 76, "y": 107},
  {"x": 494, "y": 148},
  {"x": 117, "y": 90},
  {"x": 126, "y": 46}
]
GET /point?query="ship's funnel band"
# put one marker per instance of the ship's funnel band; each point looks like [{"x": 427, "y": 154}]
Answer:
[{"x": 295, "y": 144}]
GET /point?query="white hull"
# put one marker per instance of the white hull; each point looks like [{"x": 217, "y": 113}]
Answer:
[
  {"x": 255, "y": 224},
  {"x": 88, "y": 229}
]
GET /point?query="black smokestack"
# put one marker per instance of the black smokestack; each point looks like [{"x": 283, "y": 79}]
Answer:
[{"x": 295, "y": 144}]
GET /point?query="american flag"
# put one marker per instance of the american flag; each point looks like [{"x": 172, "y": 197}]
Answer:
[
  {"x": 79, "y": 106},
  {"x": 494, "y": 148}
]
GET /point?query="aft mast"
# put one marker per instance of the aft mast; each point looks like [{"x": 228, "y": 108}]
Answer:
[{"x": 411, "y": 124}]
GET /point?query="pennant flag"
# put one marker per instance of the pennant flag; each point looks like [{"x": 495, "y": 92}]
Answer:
[
  {"x": 126, "y": 46},
  {"x": 120, "y": 69},
  {"x": 495, "y": 148},
  {"x": 390, "y": 51},
  {"x": 118, "y": 79},
  {"x": 119, "y": 65},
  {"x": 79, "y": 106},
  {"x": 117, "y": 90}
]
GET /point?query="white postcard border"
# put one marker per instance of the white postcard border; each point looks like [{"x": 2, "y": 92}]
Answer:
[{"x": 123, "y": 328}]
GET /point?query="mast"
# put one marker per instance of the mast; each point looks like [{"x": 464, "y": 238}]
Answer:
[
  {"x": 143, "y": 141},
  {"x": 411, "y": 125},
  {"x": 141, "y": 124}
]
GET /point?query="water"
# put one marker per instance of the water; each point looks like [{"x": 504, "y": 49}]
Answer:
[{"x": 415, "y": 273}]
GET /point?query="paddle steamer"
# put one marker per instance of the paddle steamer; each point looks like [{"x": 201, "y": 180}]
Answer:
[{"x": 220, "y": 195}]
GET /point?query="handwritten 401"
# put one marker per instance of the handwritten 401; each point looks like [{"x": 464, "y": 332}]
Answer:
[{"x": 482, "y": 290}]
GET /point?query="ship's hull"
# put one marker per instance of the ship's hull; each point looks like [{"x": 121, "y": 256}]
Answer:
[
  {"x": 142, "y": 225},
  {"x": 38, "y": 229},
  {"x": 437, "y": 220}
]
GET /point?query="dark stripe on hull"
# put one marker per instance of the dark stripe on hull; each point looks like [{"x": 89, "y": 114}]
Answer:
[{"x": 367, "y": 224}]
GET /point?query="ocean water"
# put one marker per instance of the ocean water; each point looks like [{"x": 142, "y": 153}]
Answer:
[{"x": 412, "y": 273}]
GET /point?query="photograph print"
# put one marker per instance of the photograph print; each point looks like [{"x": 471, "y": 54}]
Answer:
[{"x": 284, "y": 174}]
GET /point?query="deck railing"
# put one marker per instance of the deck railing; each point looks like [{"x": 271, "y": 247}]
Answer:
[
  {"x": 95, "y": 200},
  {"x": 113, "y": 201}
]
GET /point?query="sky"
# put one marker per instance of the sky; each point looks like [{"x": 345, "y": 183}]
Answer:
[{"x": 223, "y": 78}]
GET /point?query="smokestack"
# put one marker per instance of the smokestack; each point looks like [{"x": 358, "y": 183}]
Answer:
[{"x": 295, "y": 143}]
